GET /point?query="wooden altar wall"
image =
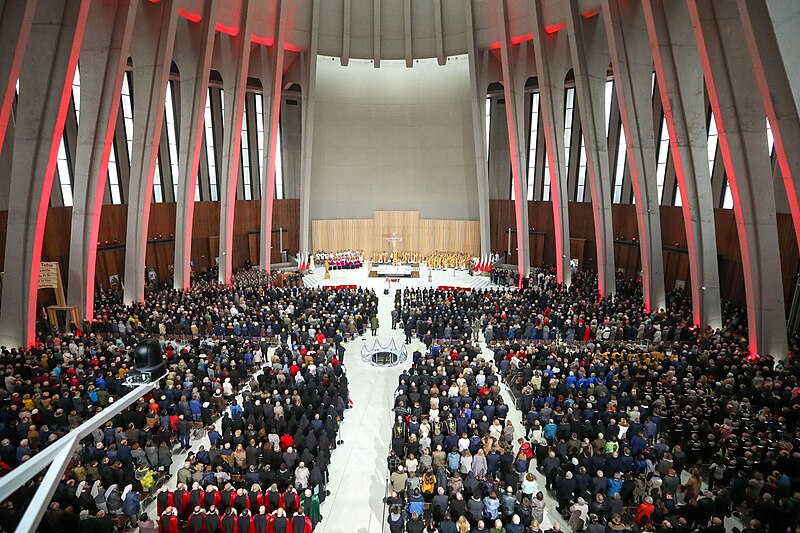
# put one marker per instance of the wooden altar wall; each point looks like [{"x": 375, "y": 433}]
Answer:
[{"x": 418, "y": 235}]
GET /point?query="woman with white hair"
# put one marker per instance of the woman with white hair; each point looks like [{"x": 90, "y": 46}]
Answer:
[{"x": 579, "y": 515}]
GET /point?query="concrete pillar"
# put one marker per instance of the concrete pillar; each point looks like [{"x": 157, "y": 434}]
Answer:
[
  {"x": 512, "y": 59},
  {"x": 773, "y": 44},
  {"x": 15, "y": 27},
  {"x": 590, "y": 66},
  {"x": 194, "y": 48},
  {"x": 104, "y": 57},
  {"x": 680, "y": 83},
  {"x": 235, "y": 67},
  {"x": 632, "y": 64},
  {"x": 308, "y": 66},
  {"x": 736, "y": 102},
  {"x": 552, "y": 64},
  {"x": 272, "y": 83},
  {"x": 45, "y": 89},
  {"x": 478, "y": 67},
  {"x": 151, "y": 53}
]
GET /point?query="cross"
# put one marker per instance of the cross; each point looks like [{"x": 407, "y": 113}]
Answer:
[{"x": 394, "y": 239}]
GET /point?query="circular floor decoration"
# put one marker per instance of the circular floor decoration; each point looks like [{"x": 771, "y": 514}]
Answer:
[{"x": 380, "y": 355}]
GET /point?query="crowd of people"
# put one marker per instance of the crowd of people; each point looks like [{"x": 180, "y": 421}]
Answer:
[
  {"x": 452, "y": 455},
  {"x": 284, "y": 346},
  {"x": 342, "y": 260},
  {"x": 251, "y": 307},
  {"x": 266, "y": 470},
  {"x": 635, "y": 421}
]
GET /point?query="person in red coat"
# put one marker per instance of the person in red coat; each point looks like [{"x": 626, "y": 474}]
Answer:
[
  {"x": 274, "y": 499},
  {"x": 197, "y": 520},
  {"x": 196, "y": 496},
  {"x": 213, "y": 521},
  {"x": 301, "y": 523},
  {"x": 228, "y": 495},
  {"x": 229, "y": 521},
  {"x": 163, "y": 500},
  {"x": 244, "y": 522},
  {"x": 280, "y": 523},
  {"x": 168, "y": 523},
  {"x": 180, "y": 499},
  {"x": 211, "y": 497},
  {"x": 291, "y": 500},
  {"x": 256, "y": 496},
  {"x": 262, "y": 522},
  {"x": 241, "y": 500},
  {"x": 644, "y": 512}
]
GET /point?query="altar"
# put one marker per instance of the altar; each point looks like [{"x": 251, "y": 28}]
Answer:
[{"x": 392, "y": 271}]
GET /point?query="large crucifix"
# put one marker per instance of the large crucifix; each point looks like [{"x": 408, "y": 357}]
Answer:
[{"x": 394, "y": 239}]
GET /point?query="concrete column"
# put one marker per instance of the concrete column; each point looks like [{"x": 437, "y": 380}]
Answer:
[
  {"x": 478, "y": 67},
  {"x": 590, "y": 66},
  {"x": 104, "y": 57},
  {"x": 15, "y": 27},
  {"x": 632, "y": 64},
  {"x": 773, "y": 50},
  {"x": 308, "y": 66},
  {"x": 151, "y": 53},
  {"x": 194, "y": 48},
  {"x": 272, "y": 83},
  {"x": 552, "y": 64},
  {"x": 736, "y": 102},
  {"x": 680, "y": 83},
  {"x": 512, "y": 59},
  {"x": 235, "y": 67},
  {"x": 45, "y": 89}
]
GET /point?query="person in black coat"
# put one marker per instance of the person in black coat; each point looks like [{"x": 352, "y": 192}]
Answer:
[
  {"x": 565, "y": 489},
  {"x": 396, "y": 520}
]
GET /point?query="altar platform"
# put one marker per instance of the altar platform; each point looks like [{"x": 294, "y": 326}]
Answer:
[{"x": 388, "y": 270}]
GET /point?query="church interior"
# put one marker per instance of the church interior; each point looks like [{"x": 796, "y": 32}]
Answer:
[{"x": 400, "y": 266}]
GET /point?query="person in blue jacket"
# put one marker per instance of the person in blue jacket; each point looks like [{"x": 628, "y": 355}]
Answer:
[
  {"x": 131, "y": 503},
  {"x": 416, "y": 503},
  {"x": 614, "y": 485}
]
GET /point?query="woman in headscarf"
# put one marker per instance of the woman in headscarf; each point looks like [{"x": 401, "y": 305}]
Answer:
[
  {"x": 114, "y": 500},
  {"x": 131, "y": 504},
  {"x": 99, "y": 496}
]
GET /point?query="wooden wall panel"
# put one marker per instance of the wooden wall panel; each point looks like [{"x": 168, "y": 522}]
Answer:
[
  {"x": 405, "y": 224},
  {"x": 160, "y": 252},
  {"x": 205, "y": 239},
  {"x": 418, "y": 235},
  {"x": 449, "y": 236},
  {"x": 627, "y": 257},
  {"x": 333, "y": 235}
]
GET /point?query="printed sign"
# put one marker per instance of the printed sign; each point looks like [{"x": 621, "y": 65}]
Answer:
[{"x": 48, "y": 275}]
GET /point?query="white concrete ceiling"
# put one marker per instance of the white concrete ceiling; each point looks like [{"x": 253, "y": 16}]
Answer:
[{"x": 390, "y": 27}]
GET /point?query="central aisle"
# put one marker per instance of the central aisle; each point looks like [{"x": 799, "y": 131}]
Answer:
[{"x": 358, "y": 470}]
